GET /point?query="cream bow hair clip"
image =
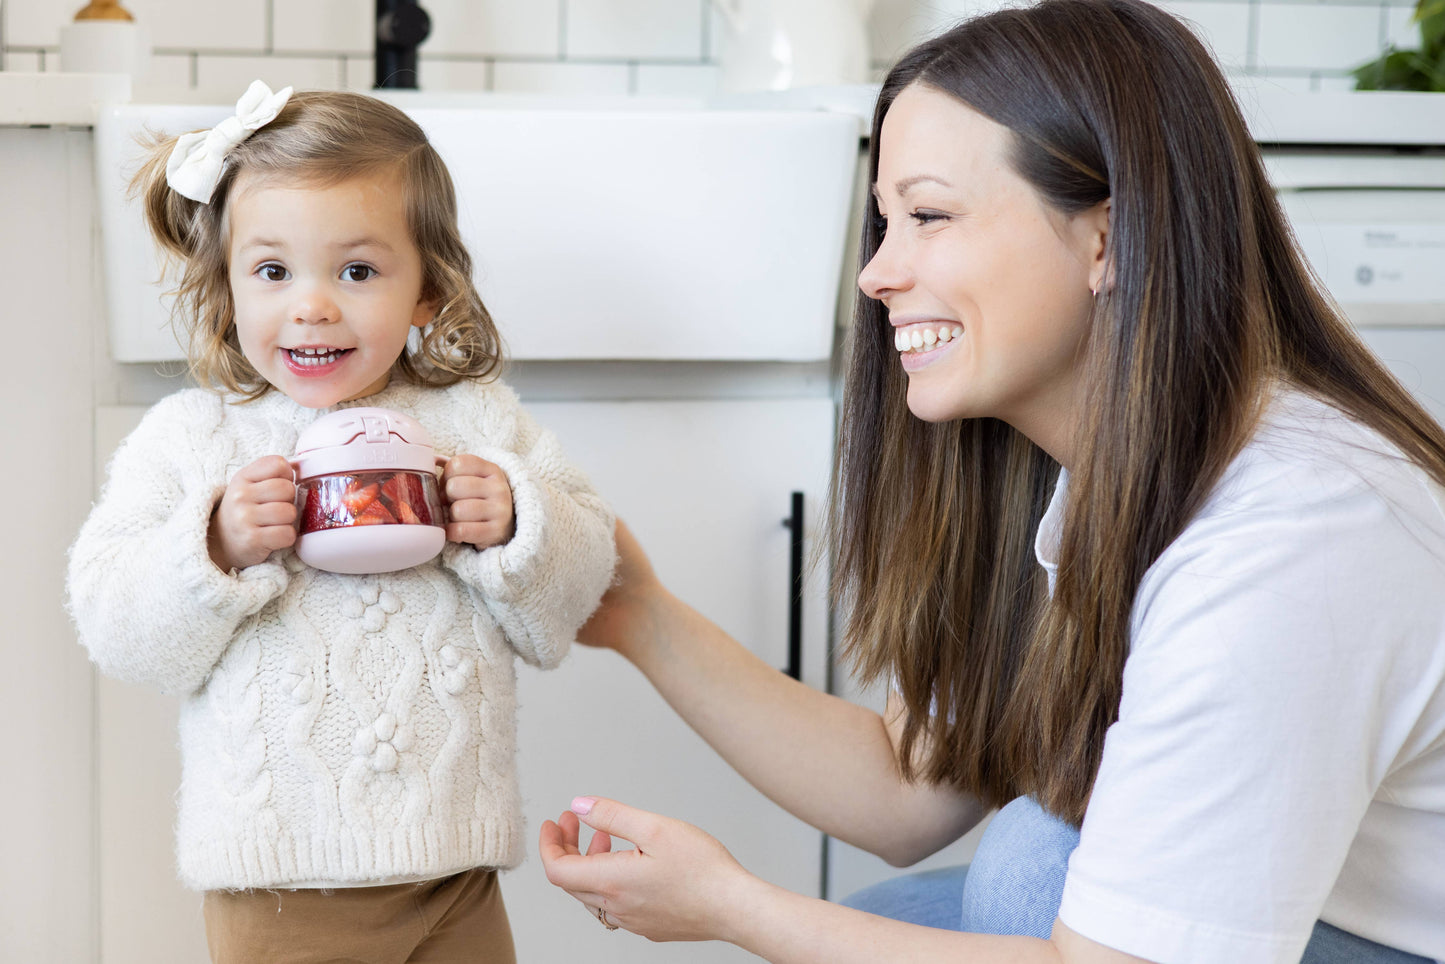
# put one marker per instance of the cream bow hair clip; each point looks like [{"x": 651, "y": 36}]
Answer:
[{"x": 197, "y": 161}]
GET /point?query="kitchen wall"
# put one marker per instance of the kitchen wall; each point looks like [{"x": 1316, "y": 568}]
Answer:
[{"x": 657, "y": 47}]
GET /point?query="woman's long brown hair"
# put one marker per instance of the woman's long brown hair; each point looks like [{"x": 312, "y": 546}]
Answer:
[{"x": 1010, "y": 691}]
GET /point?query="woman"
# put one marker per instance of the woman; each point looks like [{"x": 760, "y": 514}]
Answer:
[{"x": 1144, "y": 538}]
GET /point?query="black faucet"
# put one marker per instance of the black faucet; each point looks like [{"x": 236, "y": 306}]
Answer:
[{"x": 400, "y": 26}]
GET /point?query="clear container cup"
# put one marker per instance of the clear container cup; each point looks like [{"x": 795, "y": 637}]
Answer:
[
  {"x": 369, "y": 498},
  {"x": 367, "y": 493}
]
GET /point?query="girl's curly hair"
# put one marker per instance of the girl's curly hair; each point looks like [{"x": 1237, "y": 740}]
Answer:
[{"x": 323, "y": 137}]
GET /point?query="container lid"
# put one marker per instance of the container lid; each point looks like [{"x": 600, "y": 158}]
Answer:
[
  {"x": 369, "y": 425},
  {"x": 363, "y": 439}
]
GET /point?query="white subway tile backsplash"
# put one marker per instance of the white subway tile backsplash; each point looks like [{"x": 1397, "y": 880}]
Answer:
[
  {"x": 24, "y": 61},
  {"x": 1317, "y": 36},
  {"x": 1401, "y": 28},
  {"x": 894, "y": 26},
  {"x": 436, "y": 74},
  {"x": 561, "y": 78},
  {"x": 359, "y": 74},
  {"x": 36, "y": 23},
  {"x": 634, "y": 29},
  {"x": 1224, "y": 27},
  {"x": 1297, "y": 83},
  {"x": 330, "y": 25},
  {"x": 165, "y": 72},
  {"x": 650, "y": 47},
  {"x": 1340, "y": 82},
  {"x": 233, "y": 25},
  {"x": 682, "y": 80},
  {"x": 502, "y": 28},
  {"x": 223, "y": 79}
]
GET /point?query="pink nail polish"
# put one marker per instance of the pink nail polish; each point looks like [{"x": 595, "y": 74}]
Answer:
[{"x": 582, "y": 806}]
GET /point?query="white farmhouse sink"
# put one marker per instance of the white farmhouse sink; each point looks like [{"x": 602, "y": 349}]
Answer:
[{"x": 639, "y": 230}]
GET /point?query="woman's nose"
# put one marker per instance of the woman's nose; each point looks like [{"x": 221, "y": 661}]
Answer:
[{"x": 884, "y": 273}]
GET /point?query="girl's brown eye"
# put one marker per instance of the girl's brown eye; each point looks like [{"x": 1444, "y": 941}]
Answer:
[
  {"x": 358, "y": 272},
  {"x": 273, "y": 272}
]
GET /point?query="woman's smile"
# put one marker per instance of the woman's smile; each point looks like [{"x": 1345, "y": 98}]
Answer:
[{"x": 920, "y": 344}]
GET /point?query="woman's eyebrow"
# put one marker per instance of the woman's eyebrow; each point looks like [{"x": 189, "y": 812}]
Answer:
[{"x": 906, "y": 184}]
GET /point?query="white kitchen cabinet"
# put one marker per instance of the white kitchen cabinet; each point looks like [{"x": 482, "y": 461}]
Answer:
[
  {"x": 46, "y": 899},
  {"x": 705, "y": 485}
]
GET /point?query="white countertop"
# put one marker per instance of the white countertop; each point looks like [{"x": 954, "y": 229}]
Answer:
[
  {"x": 1360, "y": 117},
  {"x": 58, "y": 99}
]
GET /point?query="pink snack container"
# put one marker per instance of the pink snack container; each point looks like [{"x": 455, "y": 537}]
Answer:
[{"x": 367, "y": 493}]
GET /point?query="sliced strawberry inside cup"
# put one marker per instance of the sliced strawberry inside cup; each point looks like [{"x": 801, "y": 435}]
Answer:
[
  {"x": 358, "y": 496},
  {"x": 374, "y": 515},
  {"x": 370, "y": 498}
]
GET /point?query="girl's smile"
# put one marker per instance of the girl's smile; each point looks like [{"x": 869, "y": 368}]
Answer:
[{"x": 314, "y": 361}]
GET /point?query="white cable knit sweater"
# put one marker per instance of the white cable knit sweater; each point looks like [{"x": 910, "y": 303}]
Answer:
[{"x": 336, "y": 728}]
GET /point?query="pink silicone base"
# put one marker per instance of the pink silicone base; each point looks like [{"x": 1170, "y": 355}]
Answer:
[{"x": 366, "y": 549}]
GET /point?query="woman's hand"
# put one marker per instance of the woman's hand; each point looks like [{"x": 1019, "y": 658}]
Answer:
[
  {"x": 256, "y": 515},
  {"x": 628, "y": 610},
  {"x": 678, "y": 885},
  {"x": 479, "y": 502}
]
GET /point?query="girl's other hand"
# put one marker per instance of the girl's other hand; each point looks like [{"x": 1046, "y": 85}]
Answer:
[
  {"x": 256, "y": 515},
  {"x": 479, "y": 502},
  {"x": 678, "y": 885}
]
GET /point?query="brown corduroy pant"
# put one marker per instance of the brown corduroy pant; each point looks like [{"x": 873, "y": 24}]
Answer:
[{"x": 452, "y": 920}]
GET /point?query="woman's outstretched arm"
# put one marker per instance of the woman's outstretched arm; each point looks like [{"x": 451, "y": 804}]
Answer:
[
  {"x": 827, "y": 761},
  {"x": 680, "y": 884}
]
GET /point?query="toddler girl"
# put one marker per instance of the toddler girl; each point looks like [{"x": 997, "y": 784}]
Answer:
[{"x": 347, "y": 741}]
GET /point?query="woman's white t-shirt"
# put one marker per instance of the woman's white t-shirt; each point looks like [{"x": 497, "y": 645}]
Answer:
[{"x": 1280, "y": 749}]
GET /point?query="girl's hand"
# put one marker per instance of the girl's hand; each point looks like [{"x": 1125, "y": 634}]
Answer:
[
  {"x": 256, "y": 515},
  {"x": 479, "y": 502},
  {"x": 678, "y": 885}
]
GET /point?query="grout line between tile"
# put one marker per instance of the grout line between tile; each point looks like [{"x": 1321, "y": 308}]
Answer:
[
  {"x": 705, "y": 34},
  {"x": 1251, "y": 47}
]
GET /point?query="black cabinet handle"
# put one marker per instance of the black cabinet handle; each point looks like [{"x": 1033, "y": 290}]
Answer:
[{"x": 794, "y": 524}]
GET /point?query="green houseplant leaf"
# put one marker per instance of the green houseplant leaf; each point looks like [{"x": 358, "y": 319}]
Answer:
[{"x": 1422, "y": 69}]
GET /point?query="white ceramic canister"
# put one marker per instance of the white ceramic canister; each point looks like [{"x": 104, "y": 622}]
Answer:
[{"x": 367, "y": 493}]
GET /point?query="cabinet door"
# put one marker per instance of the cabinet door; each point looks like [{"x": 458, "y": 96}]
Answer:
[
  {"x": 146, "y": 916},
  {"x": 705, "y": 486},
  {"x": 46, "y": 844}
]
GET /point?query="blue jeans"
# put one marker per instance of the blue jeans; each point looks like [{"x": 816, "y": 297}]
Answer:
[{"x": 1016, "y": 882}]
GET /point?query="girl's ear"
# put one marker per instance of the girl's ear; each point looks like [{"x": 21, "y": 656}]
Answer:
[
  {"x": 1096, "y": 227},
  {"x": 423, "y": 313}
]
